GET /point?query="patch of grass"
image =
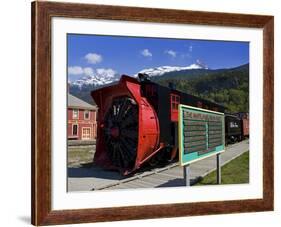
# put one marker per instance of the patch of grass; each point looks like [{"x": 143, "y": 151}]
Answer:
[
  {"x": 78, "y": 156},
  {"x": 234, "y": 172}
]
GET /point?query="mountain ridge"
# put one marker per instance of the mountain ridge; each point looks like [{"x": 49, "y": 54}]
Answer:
[{"x": 218, "y": 85}]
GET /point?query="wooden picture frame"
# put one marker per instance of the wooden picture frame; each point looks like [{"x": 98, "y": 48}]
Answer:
[{"x": 42, "y": 12}]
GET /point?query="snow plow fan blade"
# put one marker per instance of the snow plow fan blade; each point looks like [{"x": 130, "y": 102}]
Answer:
[{"x": 121, "y": 132}]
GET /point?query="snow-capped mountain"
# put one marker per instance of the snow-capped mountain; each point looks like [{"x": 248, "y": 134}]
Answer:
[
  {"x": 96, "y": 77},
  {"x": 160, "y": 71},
  {"x": 190, "y": 78},
  {"x": 100, "y": 77}
]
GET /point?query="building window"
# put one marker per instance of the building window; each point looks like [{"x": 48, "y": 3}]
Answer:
[
  {"x": 75, "y": 114},
  {"x": 175, "y": 101},
  {"x": 74, "y": 130},
  {"x": 86, "y": 114}
]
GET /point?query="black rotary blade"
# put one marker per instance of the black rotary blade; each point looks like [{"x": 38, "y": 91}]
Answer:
[{"x": 121, "y": 132}]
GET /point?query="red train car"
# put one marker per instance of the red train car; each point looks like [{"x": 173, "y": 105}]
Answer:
[
  {"x": 137, "y": 122},
  {"x": 246, "y": 130},
  {"x": 244, "y": 116}
]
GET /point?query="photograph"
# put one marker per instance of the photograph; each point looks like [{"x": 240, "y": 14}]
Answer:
[
  {"x": 133, "y": 113},
  {"x": 150, "y": 112},
  {"x": 142, "y": 113}
]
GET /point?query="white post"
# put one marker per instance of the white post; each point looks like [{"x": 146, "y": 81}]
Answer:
[{"x": 186, "y": 173}]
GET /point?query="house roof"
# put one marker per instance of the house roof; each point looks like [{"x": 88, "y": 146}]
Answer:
[{"x": 78, "y": 103}]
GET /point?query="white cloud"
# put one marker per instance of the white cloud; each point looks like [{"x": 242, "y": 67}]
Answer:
[
  {"x": 90, "y": 72},
  {"x": 75, "y": 70},
  {"x": 146, "y": 53},
  {"x": 172, "y": 53},
  {"x": 93, "y": 58}
]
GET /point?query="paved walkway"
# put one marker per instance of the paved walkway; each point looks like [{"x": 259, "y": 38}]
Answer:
[{"x": 85, "y": 179}]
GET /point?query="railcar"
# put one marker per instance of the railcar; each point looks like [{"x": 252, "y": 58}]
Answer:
[
  {"x": 233, "y": 128},
  {"x": 138, "y": 122},
  {"x": 244, "y": 117}
]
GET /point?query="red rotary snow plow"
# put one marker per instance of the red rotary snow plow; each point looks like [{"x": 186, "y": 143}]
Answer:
[{"x": 128, "y": 127}]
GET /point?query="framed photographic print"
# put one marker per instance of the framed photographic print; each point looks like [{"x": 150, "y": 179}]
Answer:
[{"x": 142, "y": 113}]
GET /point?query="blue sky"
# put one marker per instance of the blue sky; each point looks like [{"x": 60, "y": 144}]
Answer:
[{"x": 129, "y": 55}]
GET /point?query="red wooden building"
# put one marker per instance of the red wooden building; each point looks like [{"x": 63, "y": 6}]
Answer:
[{"x": 81, "y": 119}]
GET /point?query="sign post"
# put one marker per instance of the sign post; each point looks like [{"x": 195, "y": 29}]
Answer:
[
  {"x": 219, "y": 168},
  {"x": 186, "y": 174},
  {"x": 201, "y": 135}
]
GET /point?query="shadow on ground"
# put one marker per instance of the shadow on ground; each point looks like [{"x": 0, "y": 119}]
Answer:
[
  {"x": 85, "y": 170},
  {"x": 93, "y": 171},
  {"x": 179, "y": 182}
]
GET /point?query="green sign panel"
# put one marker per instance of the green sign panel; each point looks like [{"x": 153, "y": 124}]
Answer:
[{"x": 201, "y": 133}]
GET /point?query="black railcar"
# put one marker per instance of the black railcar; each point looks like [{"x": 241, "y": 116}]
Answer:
[{"x": 233, "y": 128}]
